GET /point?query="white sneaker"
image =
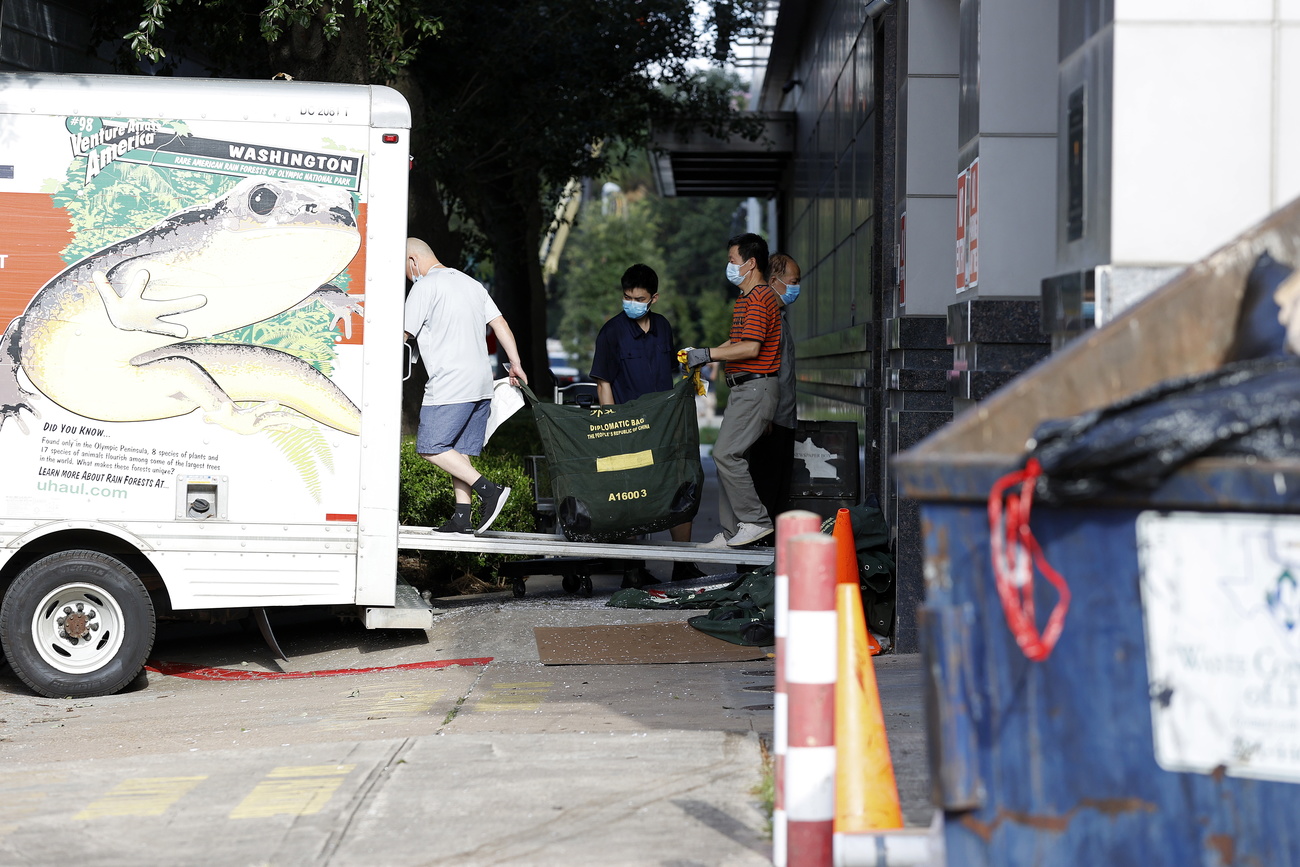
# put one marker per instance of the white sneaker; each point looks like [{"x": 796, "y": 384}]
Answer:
[
  {"x": 718, "y": 541},
  {"x": 748, "y": 534}
]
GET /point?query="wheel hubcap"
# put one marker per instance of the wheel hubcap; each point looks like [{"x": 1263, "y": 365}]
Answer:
[{"x": 77, "y": 628}]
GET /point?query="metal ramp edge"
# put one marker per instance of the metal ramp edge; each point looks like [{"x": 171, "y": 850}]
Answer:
[
  {"x": 556, "y": 545},
  {"x": 409, "y": 611}
]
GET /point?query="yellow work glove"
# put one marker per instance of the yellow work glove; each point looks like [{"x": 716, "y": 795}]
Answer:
[{"x": 692, "y": 372}]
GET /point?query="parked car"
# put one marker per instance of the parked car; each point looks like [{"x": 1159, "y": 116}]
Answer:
[
  {"x": 564, "y": 373},
  {"x": 561, "y": 365}
]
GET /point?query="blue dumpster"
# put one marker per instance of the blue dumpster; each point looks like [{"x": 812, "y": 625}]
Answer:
[{"x": 1164, "y": 726}]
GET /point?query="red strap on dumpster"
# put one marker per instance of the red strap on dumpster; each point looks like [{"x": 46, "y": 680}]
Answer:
[{"x": 1016, "y": 554}]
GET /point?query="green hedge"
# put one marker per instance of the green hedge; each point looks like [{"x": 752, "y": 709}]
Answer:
[
  {"x": 426, "y": 499},
  {"x": 516, "y": 437}
]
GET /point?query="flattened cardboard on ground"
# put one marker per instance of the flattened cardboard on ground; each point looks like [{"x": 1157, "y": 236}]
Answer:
[{"x": 636, "y": 644}]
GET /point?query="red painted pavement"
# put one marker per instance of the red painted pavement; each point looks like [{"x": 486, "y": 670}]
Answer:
[{"x": 199, "y": 672}]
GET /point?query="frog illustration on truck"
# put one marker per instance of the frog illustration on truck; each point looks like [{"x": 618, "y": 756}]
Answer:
[{"x": 114, "y": 337}]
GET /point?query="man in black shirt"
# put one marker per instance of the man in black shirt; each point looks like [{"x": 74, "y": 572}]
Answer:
[{"x": 636, "y": 354}]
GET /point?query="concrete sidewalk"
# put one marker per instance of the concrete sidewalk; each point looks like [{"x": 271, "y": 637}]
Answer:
[
  {"x": 507, "y": 761},
  {"x": 495, "y": 760},
  {"x": 471, "y": 799}
]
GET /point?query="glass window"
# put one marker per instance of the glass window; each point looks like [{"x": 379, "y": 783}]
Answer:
[
  {"x": 826, "y": 219},
  {"x": 864, "y": 81},
  {"x": 862, "y": 281},
  {"x": 847, "y": 193},
  {"x": 864, "y": 156},
  {"x": 828, "y": 298}
]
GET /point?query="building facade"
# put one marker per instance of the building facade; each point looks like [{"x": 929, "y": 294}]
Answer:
[{"x": 968, "y": 184}]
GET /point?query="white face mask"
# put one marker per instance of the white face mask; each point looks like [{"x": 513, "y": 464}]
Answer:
[{"x": 734, "y": 275}]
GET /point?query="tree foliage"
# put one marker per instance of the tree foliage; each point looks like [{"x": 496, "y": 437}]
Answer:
[
  {"x": 694, "y": 235},
  {"x": 350, "y": 41},
  {"x": 599, "y": 251},
  {"x": 516, "y": 98},
  {"x": 684, "y": 240},
  {"x": 510, "y": 100}
]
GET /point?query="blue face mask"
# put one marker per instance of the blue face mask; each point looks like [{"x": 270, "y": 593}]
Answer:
[
  {"x": 791, "y": 293},
  {"x": 733, "y": 274},
  {"x": 635, "y": 309}
]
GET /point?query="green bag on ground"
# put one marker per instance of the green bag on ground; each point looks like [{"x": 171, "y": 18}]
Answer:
[
  {"x": 744, "y": 611},
  {"x": 619, "y": 471}
]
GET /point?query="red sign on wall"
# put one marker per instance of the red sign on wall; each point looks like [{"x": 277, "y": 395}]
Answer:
[
  {"x": 961, "y": 231},
  {"x": 968, "y": 227},
  {"x": 973, "y": 224}
]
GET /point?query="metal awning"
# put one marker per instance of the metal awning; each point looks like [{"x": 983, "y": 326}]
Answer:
[{"x": 699, "y": 164}]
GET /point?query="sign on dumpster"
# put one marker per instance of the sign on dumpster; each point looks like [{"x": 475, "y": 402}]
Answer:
[{"x": 1221, "y": 604}]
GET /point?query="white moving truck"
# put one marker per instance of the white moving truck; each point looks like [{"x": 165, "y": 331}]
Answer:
[{"x": 201, "y": 289}]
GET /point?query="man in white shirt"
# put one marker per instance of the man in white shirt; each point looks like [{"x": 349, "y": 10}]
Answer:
[{"x": 446, "y": 311}]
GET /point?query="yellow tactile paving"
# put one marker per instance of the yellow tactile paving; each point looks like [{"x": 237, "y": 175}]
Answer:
[
  {"x": 140, "y": 796},
  {"x": 292, "y": 791},
  {"x": 514, "y": 696}
]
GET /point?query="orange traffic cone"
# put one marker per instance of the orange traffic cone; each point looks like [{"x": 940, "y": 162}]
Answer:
[
  {"x": 866, "y": 794},
  {"x": 846, "y": 564},
  {"x": 846, "y": 553}
]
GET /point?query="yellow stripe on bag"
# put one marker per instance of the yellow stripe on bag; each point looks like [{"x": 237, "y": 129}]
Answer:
[{"x": 629, "y": 461}]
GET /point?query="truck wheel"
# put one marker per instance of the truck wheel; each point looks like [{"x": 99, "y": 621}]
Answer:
[{"x": 76, "y": 624}]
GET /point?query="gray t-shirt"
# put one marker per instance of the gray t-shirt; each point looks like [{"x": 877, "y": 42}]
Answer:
[{"x": 447, "y": 312}]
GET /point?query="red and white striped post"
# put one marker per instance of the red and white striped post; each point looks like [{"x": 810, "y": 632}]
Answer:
[
  {"x": 788, "y": 525},
  {"x": 810, "y": 673}
]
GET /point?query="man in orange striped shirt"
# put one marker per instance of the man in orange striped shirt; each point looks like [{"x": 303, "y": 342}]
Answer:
[{"x": 752, "y": 359}]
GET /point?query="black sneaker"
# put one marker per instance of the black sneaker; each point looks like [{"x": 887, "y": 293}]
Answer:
[
  {"x": 492, "y": 504},
  {"x": 454, "y": 525}
]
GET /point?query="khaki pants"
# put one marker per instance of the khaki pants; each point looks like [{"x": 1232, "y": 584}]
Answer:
[{"x": 749, "y": 412}]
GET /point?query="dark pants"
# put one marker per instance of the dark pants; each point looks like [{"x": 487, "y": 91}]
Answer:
[{"x": 771, "y": 459}]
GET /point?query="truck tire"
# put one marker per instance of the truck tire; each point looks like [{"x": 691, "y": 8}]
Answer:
[{"x": 76, "y": 624}]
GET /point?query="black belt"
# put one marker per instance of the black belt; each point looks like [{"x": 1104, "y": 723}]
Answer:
[{"x": 737, "y": 379}]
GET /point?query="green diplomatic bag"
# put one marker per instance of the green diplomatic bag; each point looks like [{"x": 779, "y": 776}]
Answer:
[{"x": 619, "y": 471}]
